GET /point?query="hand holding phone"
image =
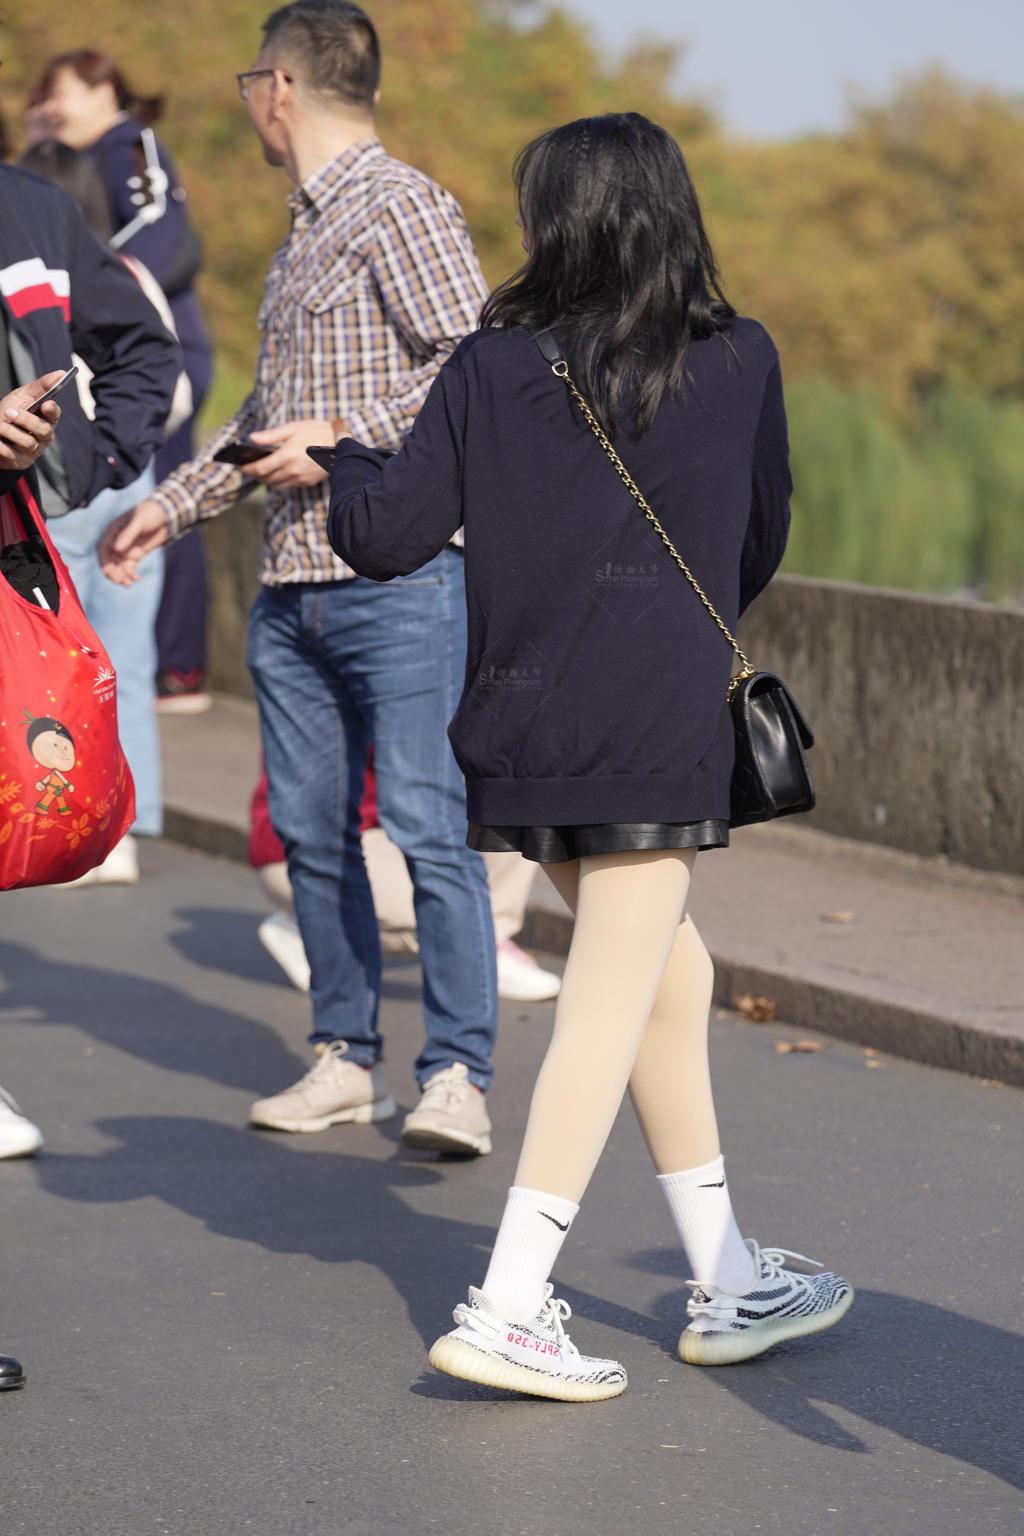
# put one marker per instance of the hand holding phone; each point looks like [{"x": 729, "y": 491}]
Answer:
[
  {"x": 54, "y": 390},
  {"x": 242, "y": 450},
  {"x": 25, "y": 431},
  {"x": 276, "y": 456},
  {"x": 323, "y": 458}
]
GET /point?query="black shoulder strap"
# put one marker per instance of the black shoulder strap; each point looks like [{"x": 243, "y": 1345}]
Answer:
[{"x": 549, "y": 348}]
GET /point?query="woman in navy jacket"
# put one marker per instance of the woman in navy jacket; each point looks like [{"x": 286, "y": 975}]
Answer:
[
  {"x": 84, "y": 100},
  {"x": 593, "y": 728}
]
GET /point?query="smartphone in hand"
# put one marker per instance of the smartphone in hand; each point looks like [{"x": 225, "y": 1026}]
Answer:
[
  {"x": 243, "y": 451},
  {"x": 53, "y": 390},
  {"x": 323, "y": 458}
]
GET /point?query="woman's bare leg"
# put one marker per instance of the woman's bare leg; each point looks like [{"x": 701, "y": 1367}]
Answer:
[
  {"x": 628, "y": 910},
  {"x": 670, "y": 1086},
  {"x": 671, "y": 1081}
]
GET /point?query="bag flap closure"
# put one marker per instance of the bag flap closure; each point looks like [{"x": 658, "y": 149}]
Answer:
[{"x": 769, "y": 682}]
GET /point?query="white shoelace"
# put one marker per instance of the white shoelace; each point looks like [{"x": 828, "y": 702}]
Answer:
[
  {"x": 554, "y": 1314},
  {"x": 445, "y": 1091},
  {"x": 327, "y": 1066},
  {"x": 704, "y": 1296}
]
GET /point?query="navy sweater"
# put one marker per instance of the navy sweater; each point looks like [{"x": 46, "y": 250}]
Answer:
[{"x": 596, "y": 681}]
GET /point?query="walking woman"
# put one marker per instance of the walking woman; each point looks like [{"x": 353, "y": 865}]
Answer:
[{"x": 593, "y": 729}]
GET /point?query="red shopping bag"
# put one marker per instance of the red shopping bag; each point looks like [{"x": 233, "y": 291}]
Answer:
[{"x": 66, "y": 794}]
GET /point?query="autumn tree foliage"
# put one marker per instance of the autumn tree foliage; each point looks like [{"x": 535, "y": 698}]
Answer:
[
  {"x": 466, "y": 84},
  {"x": 891, "y": 254},
  {"x": 887, "y": 260}
]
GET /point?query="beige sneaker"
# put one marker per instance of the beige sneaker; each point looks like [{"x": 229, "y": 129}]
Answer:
[
  {"x": 333, "y": 1091},
  {"x": 450, "y": 1117}
]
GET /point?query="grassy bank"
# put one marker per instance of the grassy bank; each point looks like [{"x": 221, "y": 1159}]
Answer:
[{"x": 934, "y": 503}]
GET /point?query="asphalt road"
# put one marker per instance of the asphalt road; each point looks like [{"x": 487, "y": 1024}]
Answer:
[{"x": 225, "y": 1330}]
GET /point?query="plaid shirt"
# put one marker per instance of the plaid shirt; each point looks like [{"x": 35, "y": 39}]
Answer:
[{"x": 374, "y": 287}]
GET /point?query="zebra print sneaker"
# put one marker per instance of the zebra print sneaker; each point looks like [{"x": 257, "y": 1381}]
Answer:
[
  {"x": 536, "y": 1357},
  {"x": 792, "y": 1296}
]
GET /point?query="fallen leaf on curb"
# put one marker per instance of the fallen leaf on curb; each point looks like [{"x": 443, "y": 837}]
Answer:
[
  {"x": 837, "y": 917},
  {"x": 869, "y": 1050},
  {"x": 872, "y": 1063},
  {"x": 785, "y": 1047},
  {"x": 757, "y": 1010}
]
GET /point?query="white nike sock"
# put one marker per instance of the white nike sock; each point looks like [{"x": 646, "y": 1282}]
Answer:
[
  {"x": 702, "y": 1211},
  {"x": 532, "y": 1231}
]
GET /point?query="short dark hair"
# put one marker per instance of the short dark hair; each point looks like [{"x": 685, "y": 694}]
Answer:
[
  {"x": 95, "y": 68},
  {"x": 43, "y": 723},
  {"x": 335, "y": 46}
]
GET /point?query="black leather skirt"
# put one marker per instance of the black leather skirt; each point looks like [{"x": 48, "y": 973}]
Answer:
[{"x": 556, "y": 845}]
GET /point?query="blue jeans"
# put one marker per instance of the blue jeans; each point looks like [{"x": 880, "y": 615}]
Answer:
[
  {"x": 124, "y": 618},
  {"x": 338, "y": 665}
]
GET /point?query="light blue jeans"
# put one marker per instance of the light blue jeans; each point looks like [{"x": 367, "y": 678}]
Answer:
[
  {"x": 124, "y": 619},
  {"x": 338, "y": 665}
]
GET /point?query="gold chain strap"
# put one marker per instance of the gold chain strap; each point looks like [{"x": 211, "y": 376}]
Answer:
[{"x": 561, "y": 371}]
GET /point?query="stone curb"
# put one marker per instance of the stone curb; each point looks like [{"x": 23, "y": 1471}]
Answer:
[{"x": 954, "y": 1045}]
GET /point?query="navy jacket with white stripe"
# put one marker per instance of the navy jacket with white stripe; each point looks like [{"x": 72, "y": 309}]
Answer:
[{"x": 62, "y": 290}]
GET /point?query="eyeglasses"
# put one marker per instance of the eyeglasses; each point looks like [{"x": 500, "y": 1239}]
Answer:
[{"x": 247, "y": 75}]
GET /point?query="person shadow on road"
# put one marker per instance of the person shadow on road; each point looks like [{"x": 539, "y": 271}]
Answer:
[
  {"x": 335, "y": 1207},
  {"x": 935, "y": 1377},
  {"x": 932, "y": 1376}
]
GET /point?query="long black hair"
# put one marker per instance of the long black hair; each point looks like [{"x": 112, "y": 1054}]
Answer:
[
  {"x": 619, "y": 261},
  {"x": 76, "y": 172}
]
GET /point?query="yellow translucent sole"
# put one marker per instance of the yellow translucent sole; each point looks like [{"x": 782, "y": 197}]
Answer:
[
  {"x": 455, "y": 1358},
  {"x": 731, "y": 1348}
]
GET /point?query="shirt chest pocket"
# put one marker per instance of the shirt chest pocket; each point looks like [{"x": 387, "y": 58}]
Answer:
[{"x": 332, "y": 290}]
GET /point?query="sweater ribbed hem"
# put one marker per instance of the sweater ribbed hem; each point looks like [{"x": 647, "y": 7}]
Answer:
[{"x": 701, "y": 794}]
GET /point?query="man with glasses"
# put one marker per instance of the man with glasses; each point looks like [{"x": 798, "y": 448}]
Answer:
[{"x": 371, "y": 291}]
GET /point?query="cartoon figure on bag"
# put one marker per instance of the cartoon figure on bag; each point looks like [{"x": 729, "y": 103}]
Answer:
[{"x": 53, "y": 748}]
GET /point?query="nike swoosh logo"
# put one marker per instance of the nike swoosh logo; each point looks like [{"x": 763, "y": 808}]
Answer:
[
  {"x": 719, "y": 1185},
  {"x": 563, "y": 1226}
]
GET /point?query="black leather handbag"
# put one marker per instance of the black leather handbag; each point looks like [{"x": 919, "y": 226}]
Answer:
[{"x": 770, "y": 776}]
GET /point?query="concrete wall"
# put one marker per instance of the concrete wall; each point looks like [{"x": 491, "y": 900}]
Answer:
[
  {"x": 233, "y": 551},
  {"x": 917, "y": 703}
]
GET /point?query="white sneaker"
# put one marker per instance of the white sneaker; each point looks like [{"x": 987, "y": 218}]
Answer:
[
  {"x": 18, "y": 1136},
  {"x": 399, "y": 941},
  {"x": 451, "y": 1116},
  {"x": 120, "y": 867},
  {"x": 333, "y": 1092},
  {"x": 792, "y": 1296},
  {"x": 536, "y": 1357},
  {"x": 521, "y": 979},
  {"x": 279, "y": 934}
]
